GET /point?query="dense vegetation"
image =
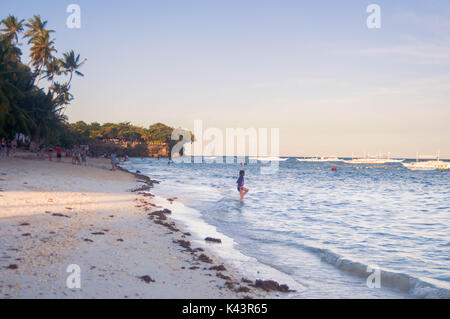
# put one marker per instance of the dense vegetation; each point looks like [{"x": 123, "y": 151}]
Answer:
[
  {"x": 122, "y": 138},
  {"x": 156, "y": 133},
  {"x": 24, "y": 106},
  {"x": 39, "y": 113}
]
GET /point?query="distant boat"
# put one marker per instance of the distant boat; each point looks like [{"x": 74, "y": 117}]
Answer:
[
  {"x": 373, "y": 160},
  {"x": 427, "y": 165},
  {"x": 320, "y": 159},
  {"x": 269, "y": 158}
]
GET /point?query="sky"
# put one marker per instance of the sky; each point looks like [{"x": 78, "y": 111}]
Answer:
[{"x": 313, "y": 69}]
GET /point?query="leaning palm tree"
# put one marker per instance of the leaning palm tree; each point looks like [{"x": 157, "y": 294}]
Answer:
[
  {"x": 13, "y": 26},
  {"x": 53, "y": 69},
  {"x": 71, "y": 64},
  {"x": 35, "y": 32},
  {"x": 41, "y": 53},
  {"x": 36, "y": 27}
]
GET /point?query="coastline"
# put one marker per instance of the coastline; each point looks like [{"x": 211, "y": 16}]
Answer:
[{"x": 53, "y": 215}]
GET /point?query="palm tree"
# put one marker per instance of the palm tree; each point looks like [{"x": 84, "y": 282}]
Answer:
[
  {"x": 36, "y": 31},
  {"x": 71, "y": 64},
  {"x": 63, "y": 96},
  {"x": 54, "y": 68},
  {"x": 36, "y": 27},
  {"x": 13, "y": 26},
  {"x": 41, "y": 53}
]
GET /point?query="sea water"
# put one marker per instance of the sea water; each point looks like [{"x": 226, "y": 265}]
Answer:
[{"x": 362, "y": 231}]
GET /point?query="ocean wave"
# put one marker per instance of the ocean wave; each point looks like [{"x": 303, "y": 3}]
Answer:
[
  {"x": 216, "y": 205},
  {"x": 415, "y": 287}
]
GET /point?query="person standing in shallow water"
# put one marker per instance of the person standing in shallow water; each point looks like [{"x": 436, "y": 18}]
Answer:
[
  {"x": 240, "y": 185},
  {"x": 113, "y": 161}
]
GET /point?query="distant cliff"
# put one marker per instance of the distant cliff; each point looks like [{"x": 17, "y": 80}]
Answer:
[
  {"x": 121, "y": 138},
  {"x": 132, "y": 149}
]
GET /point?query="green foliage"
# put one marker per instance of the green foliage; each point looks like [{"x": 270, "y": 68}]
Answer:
[
  {"x": 24, "y": 107},
  {"x": 124, "y": 132}
]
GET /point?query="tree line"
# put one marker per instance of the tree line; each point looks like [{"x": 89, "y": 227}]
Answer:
[
  {"x": 39, "y": 113},
  {"x": 24, "y": 106},
  {"x": 84, "y": 133}
]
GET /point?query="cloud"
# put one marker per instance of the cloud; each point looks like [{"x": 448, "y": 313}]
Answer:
[{"x": 429, "y": 51}]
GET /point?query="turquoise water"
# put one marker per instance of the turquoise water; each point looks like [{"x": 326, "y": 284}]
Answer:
[{"x": 322, "y": 228}]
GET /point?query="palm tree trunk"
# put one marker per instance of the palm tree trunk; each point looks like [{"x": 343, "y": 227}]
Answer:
[
  {"x": 40, "y": 74},
  {"x": 70, "y": 80}
]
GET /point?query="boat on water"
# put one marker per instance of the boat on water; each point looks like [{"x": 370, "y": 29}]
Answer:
[
  {"x": 427, "y": 165},
  {"x": 433, "y": 164},
  {"x": 373, "y": 160},
  {"x": 269, "y": 158},
  {"x": 320, "y": 159}
]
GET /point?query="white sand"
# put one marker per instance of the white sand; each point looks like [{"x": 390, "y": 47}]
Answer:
[{"x": 95, "y": 199}]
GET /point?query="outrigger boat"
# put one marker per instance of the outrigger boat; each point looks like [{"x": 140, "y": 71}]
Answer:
[
  {"x": 269, "y": 158},
  {"x": 436, "y": 163},
  {"x": 320, "y": 159},
  {"x": 373, "y": 160}
]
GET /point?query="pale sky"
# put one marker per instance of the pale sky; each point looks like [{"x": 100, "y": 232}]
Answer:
[{"x": 310, "y": 68}]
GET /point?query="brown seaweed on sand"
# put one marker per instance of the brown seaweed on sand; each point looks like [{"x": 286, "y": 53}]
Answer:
[
  {"x": 12, "y": 267},
  {"x": 147, "y": 279},
  {"x": 247, "y": 281},
  {"x": 169, "y": 226},
  {"x": 270, "y": 285},
  {"x": 60, "y": 215},
  {"x": 243, "y": 289},
  {"x": 184, "y": 243},
  {"x": 222, "y": 276},
  {"x": 205, "y": 259},
  {"x": 213, "y": 240},
  {"x": 218, "y": 268}
]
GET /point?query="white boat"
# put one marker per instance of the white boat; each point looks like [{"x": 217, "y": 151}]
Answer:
[
  {"x": 269, "y": 158},
  {"x": 373, "y": 160},
  {"x": 320, "y": 159},
  {"x": 427, "y": 165}
]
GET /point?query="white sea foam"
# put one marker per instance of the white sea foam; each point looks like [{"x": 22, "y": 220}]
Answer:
[{"x": 199, "y": 229}]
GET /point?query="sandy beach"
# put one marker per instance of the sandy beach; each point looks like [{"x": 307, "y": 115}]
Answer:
[{"x": 53, "y": 215}]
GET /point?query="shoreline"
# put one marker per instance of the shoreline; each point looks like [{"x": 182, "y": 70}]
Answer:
[
  {"x": 396, "y": 284},
  {"x": 53, "y": 215},
  {"x": 212, "y": 246}
]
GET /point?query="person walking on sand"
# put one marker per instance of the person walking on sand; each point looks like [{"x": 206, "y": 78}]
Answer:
[
  {"x": 240, "y": 185},
  {"x": 113, "y": 161},
  {"x": 83, "y": 157},
  {"x": 50, "y": 152},
  {"x": 3, "y": 147},
  {"x": 58, "y": 153},
  {"x": 74, "y": 156},
  {"x": 14, "y": 146},
  {"x": 8, "y": 147}
]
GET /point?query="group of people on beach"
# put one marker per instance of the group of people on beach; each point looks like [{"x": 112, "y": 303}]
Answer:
[
  {"x": 7, "y": 146},
  {"x": 79, "y": 155}
]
